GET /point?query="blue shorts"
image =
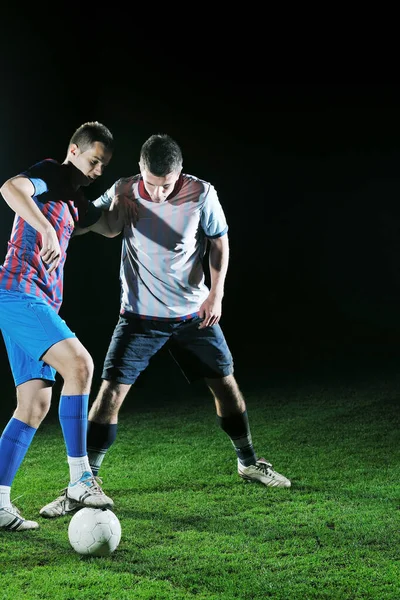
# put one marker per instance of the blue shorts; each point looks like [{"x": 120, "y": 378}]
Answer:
[
  {"x": 29, "y": 327},
  {"x": 200, "y": 353}
]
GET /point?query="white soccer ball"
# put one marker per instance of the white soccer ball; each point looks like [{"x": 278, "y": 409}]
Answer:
[{"x": 94, "y": 531}]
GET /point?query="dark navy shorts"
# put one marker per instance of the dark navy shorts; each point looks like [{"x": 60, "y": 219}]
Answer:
[
  {"x": 29, "y": 327},
  {"x": 200, "y": 353}
]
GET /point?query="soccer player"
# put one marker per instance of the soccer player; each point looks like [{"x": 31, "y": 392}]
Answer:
[
  {"x": 165, "y": 299},
  {"x": 49, "y": 205}
]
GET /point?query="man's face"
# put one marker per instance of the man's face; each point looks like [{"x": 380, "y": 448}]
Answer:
[
  {"x": 159, "y": 188},
  {"x": 91, "y": 162}
]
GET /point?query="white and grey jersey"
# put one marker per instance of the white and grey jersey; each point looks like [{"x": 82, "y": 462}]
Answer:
[{"x": 161, "y": 271}]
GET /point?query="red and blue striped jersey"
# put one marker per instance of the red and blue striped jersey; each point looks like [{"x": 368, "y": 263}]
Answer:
[{"x": 23, "y": 269}]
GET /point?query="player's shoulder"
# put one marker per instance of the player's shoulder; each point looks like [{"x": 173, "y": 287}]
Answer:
[
  {"x": 188, "y": 178},
  {"x": 192, "y": 181},
  {"x": 47, "y": 175},
  {"x": 126, "y": 183},
  {"x": 42, "y": 168}
]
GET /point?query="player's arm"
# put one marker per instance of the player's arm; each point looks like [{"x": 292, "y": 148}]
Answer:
[
  {"x": 115, "y": 211},
  {"x": 218, "y": 262},
  {"x": 211, "y": 309},
  {"x": 100, "y": 227},
  {"x": 18, "y": 192},
  {"x": 109, "y": 224}
]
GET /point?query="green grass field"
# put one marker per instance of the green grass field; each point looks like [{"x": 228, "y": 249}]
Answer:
[{"x": 192, "y": 529}]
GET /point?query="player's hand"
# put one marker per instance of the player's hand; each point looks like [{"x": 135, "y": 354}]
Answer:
[
  {"x": 210, "y": 311},
  {"x": 126, "y": 207},
  {"x": 50, "y": 251}
]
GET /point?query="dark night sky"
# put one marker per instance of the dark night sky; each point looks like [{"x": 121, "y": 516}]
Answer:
[{"x": 308, "y": 175}]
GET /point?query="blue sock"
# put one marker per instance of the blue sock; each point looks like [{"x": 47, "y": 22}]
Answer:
[
  {"x": 14, "y": 443},
  {"x": 73, "y": 415}
]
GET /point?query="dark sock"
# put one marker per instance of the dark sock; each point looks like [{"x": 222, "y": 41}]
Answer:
[
  {"x": 99, "y": 438},
  {"x": 237, "y": 428}
]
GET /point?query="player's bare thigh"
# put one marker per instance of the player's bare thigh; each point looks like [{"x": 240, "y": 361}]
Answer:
[{"x": 71, "y": 359}]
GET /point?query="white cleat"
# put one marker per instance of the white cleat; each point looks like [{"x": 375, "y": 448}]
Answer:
[
  {"x": 263, "y": 472},
  {"x": 60, "y": 506},
  {"x": 12, "y": 520},
  {"x": 87, "y": 491}
]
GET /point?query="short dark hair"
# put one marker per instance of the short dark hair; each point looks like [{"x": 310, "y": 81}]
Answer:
[
  {"x": 89, "y": 133},
  {"x": 161, "y": 155}
]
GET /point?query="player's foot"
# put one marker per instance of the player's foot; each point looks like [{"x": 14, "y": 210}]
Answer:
[
  {"x": 262, "y": 471},
  {"x": 60, "y": 506},
  {"x": 12, "y": 520},
  {"x": 88, "y": 492}
]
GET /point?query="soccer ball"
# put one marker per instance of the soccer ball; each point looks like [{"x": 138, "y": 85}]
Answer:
[{"x": 94, "y": 531}]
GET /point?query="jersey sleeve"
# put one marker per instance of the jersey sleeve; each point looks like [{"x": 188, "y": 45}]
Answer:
[
  {"x": 104, "y": 201},
  {"x": 213, "y": 220},
  {"x": 45, "y": 176}
]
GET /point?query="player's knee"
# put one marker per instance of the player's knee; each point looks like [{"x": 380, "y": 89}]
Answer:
[
  {"x": 83, "y": 367},
  {"x": 34, "y": 413},
  {"x": 223, "y": 385},
  {"x": 43, "y": 407},
  {"x": 39, "y": 411},
  {"x": 227, "y": 393},
  {"x": 112, "y": 395}
]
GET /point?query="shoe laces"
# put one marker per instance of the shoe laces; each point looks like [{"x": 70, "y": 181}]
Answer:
[
  {"x": 94, "y": 484},
  {"x": 264, "y": 467}
]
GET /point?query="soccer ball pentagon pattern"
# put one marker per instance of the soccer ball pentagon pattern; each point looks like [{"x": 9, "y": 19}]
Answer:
[{"x": 94, "y": 531}]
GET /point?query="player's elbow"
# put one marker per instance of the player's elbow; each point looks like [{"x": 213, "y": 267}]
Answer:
[
  {"x": 6, "y": 189},
  {"x": 110, "y": 233}
]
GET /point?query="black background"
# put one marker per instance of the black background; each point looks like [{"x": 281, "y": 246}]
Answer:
[{"x": 307, "y": 173}]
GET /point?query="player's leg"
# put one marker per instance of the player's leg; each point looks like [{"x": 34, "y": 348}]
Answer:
[
  {"x": 31, "y": 324},
  {"x": 33, "y": 403},
  {"x": 232, "y": 417},
  {"x": 33, "y": 381},
  {"x": 101, "y": 434},
  {"x": 204, "y": 353},
  {"x": 103, "y": 421},
  {"x": 75, "y": 365},
  {"x": 133, "y": 343}
]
